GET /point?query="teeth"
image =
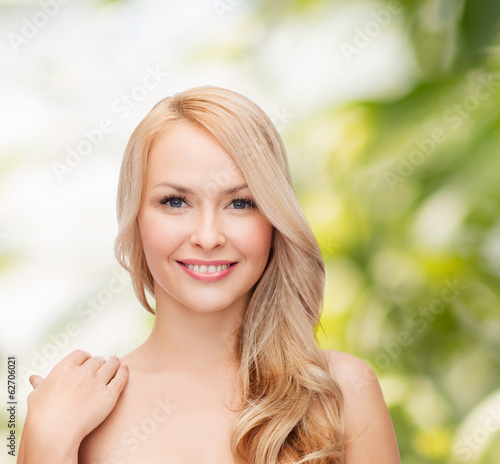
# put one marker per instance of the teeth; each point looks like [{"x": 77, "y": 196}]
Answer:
[{"x": 207, "y": 270}]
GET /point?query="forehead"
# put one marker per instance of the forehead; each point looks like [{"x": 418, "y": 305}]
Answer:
[{"x": 190, "y": 153}]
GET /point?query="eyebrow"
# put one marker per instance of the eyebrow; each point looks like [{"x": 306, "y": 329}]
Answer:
[{"x": 188, "y": 191}]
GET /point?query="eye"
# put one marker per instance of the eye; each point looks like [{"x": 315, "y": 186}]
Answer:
[
  {"x": 242, "y": 203},
  {"x": 173, "y": 201}
]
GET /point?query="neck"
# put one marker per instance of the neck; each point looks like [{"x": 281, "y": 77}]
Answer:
[{"x": 194, "y": 341}]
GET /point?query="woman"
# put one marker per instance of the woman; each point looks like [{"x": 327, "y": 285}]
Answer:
[{"x": 209, "y": 225}]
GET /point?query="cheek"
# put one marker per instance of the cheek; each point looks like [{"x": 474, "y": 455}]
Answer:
[
  {"x": 158, "y": 235},
  {"x": 257, "y": 240}
]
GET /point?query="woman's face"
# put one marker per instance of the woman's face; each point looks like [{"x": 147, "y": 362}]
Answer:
[{"x": 204, "y": 242}]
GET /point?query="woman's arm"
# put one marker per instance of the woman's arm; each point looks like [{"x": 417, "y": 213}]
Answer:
[
  {"x": 370, "y": 433},
  {"x": 76, "y": 396}
]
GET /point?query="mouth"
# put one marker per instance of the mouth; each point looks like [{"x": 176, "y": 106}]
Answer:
[{"x": 207, "y": 269}]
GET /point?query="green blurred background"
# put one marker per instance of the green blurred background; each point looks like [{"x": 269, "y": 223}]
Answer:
[{"x": 390, "y": 115}]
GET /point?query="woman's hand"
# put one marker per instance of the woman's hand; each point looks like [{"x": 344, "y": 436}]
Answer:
[{"x": 74, "y": 398}]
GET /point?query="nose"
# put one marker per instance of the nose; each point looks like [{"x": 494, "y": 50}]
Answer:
[{"x": 207, "y": 231}]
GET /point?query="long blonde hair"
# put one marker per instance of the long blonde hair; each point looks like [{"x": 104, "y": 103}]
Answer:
[{"x": 292, "y": 408}]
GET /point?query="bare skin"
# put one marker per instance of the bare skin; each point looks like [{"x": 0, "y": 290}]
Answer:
[
  {"x": 178, "y": 413},
  {"x": 196, "y": 424},
  {"x": 167, "y": 410},
  {"x": 370, "y": 433}
]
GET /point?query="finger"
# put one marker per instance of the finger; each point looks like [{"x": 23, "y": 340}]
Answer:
[
  {"x": 36, "y": 381},
  {"x": 107, "y": 371},
  {"x": 95, "y": 362},
  {"x": 115, "y": 386},
  {"x": 77, "y": 357}
]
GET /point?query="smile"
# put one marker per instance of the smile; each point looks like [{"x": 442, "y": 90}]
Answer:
[{"x": 208, "y": 273}]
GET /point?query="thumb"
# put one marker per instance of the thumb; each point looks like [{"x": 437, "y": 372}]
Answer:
[{"x": 36, "y": 381}]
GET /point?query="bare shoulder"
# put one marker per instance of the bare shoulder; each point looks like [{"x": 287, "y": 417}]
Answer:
[
  {"x": 349, "y": 370},
  {"x": 369, "y": 428}
]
